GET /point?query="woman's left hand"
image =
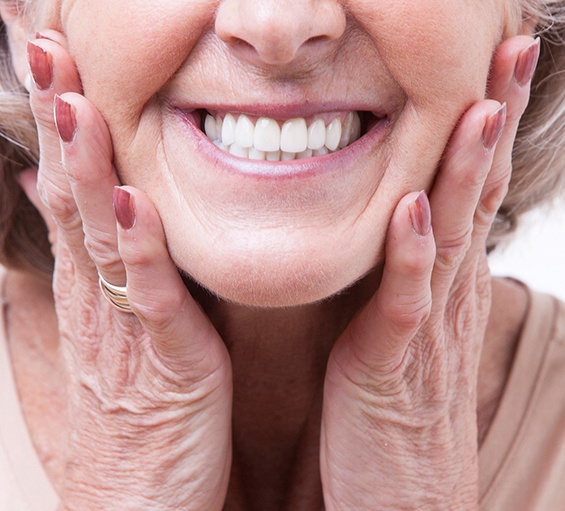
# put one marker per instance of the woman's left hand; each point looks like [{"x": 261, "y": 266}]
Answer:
[{"x": 399, "y": 424}]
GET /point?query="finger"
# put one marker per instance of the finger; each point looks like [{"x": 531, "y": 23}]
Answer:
[
  {"x": 53, "y": 35},
  {"x": 182, "y": 335},
  {"x": 87, "y": 156},
  {"x": 513, "y": 68},
  {"x": 457, "y": 189},
  {"x": 53, "y": 72},
  {"x": 379, "y": 336}
]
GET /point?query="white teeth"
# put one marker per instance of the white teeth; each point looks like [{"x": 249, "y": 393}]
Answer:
[
  {"x": 244, "y": 131},
  {"x": 267, "y": 135},
  {"x": 266, "y": 140},
  {"x": 346, "y": 131},
  {"x": 237, "y": 150},
  {"x": 274, "y": 156},
  {"x": 256, "y": 154},
  {"x": 317, "y": 134},
  {"x": 210, "y": 128},
  {"x": 228, "y": 130},
  {"x": 321, "y": 152},
  {"x": 333, "y": 134},
  {"x": 294, "y": 136},
  {"x": 222, "y": 146},
  {"x": 287, "y": 156},
  {"x": 304, "y": 154},
  {"x": 355, "y": 128}
]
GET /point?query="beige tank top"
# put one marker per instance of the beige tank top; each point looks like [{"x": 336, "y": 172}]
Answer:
[
  {"x": 24, "y": 485},
  {"x": 522, "y": 460}
]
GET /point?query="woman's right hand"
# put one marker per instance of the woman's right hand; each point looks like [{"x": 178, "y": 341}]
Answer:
[{"x": 149, "y": 394}]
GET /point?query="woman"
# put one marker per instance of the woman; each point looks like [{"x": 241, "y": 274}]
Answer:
[{"x": 330, "y": 341}]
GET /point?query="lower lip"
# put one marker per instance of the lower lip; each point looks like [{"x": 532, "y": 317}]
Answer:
[{"x": 302, "y": 168}]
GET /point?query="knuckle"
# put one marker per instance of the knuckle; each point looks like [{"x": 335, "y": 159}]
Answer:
[
  {"x": 161, "y": 312},
  {"x": 139, "y": 258},
  {"x": 61, "y": 209},
  {"x": 407, "y": 313},
  {"x": 416, "y": 264},
  {"x": 64, "y": 212},
  {"x": 462, "y": 315},
  {"x": 492, "y": 198},
  {"x": 496, "y": 191},
  {"x": 42, "y": 110},
  {"x": 102, "y": 249},
  {"x": 452, "y": 249},
  {"x": 59, "y": 201}
]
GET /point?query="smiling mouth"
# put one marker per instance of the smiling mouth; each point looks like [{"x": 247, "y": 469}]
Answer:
[{"x": 268, "y": 139}]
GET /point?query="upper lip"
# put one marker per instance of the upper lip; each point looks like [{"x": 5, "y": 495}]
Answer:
[{"x": 283, "y": 111}]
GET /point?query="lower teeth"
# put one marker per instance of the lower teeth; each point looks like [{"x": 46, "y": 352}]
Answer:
[{"x": 254, "y": 154}]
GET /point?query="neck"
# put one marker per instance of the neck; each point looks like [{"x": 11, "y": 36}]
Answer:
[{"x": 279, "y": 358}]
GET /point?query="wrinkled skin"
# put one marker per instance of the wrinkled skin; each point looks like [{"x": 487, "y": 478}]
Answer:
[{"x": 150, "y": 394}]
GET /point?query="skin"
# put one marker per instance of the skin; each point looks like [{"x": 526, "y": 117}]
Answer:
[
  {"x": 224, "y": 401},
  {"x": 240, "y": 246}
]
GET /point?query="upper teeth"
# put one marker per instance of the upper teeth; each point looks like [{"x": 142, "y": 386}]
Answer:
[{"x": 267, "y": 140}]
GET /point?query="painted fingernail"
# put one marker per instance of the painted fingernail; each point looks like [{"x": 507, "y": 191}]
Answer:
[
  {"x": 65, "y": 120},
  {"x": 421, "y": 215},
  {"x": 40, "y": 65},
  {"x": 124, "y": 208},
  {"x": 494, "y": 126},
  {"x": 39, "y": 35},
  {"x": 526, "y": 63}
]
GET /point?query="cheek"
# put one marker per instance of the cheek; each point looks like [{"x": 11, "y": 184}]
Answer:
[
  {"x": 439, "y": 52},
  {"x": 126, "y": 51}
]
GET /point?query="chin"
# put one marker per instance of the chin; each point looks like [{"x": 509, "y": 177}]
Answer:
[{"x": 274, "y": 281}]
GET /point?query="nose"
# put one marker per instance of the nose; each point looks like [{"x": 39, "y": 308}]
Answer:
[{"x": 278, "y": 32}]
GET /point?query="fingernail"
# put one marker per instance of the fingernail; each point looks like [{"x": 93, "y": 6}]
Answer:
[
  {"x": 40, "y": 65},
  {"x": 65, "y": 120},
  {"x": 124, "y": 208},
  {"x": 494, "y": 126},
  {"x": 39, "y": 35},
  {"x": 526, "y": 63},
  {"x": 421, "y": 215}
]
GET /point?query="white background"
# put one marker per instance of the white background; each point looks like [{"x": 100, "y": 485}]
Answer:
[{"x": 537, "y": 253}]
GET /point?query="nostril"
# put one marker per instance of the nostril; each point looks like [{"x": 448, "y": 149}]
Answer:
[
  {"x": 243, "y": 48},
  {"x": 271, "y": 32},
  {"x": 236, "y": 42},
  {"x": 318, "y": 39}
]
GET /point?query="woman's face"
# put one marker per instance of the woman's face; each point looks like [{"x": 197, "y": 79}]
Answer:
[{"x": 256, "y": 231}]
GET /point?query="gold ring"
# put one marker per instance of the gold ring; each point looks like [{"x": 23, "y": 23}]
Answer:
[{"x": 116, "y": 295}]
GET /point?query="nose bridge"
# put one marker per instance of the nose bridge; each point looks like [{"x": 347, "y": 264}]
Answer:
[{"x": 275, "y": 32}]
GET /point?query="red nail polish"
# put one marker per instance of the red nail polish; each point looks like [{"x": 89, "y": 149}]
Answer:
[
  {"x": 494, "y": 126},
  {"x": 124, "y": 208},
  {"x": 526, "y": 63},
  {"x": 421, "y": 215},
  {"x": 65, "y": 120},
  {"x": 40, "y": 65},
  {"x": 39, "y": 35}
]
